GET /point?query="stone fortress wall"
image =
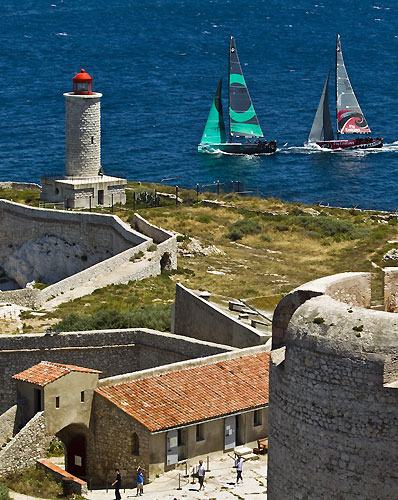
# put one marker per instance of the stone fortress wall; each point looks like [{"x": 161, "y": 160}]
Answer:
[
  {"x": 333, "y": 419},
  {"x": 114, "y": 352},
  {"x": 40, "y": 244}
]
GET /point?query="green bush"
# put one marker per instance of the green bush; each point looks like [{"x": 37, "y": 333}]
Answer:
[
  {"x": 324, "y": 227},
  {"x": 148, "y": 316},
  {"x": 4, "y": 492},
  {"x": 242, "y": 227},
  {"x": 55, "y": 449},
  {"x": 205, "y": 219}
]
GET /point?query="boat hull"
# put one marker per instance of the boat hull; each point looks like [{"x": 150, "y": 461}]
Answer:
[
  {"x": 361, "y": 143},
  {"x": 255, "y": 148}
]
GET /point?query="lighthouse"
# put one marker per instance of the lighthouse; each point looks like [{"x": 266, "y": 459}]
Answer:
[{"x": 83, "y": 183}]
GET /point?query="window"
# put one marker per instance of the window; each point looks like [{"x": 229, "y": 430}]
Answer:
[
  {"x": 57, "y": 402},
  {"x": 82, "y": 396},
  {"x": 257, "y": 418},
  {"x": 92, "y": 139},
  {"x": 135, "y": 444},
  {"x": 199, "y": 432}
]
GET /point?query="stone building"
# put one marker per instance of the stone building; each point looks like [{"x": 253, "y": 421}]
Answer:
[
  {"x": 333, "y": 420},
  {"x": 154, "y": 418},
  {"x": 84, "y": 184}
]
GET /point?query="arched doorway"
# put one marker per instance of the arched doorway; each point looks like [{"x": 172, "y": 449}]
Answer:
[{"x": 74, "y": 438}]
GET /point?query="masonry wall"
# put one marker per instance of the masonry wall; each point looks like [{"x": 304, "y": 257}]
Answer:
[
  {"x": 7, "y": 425},
  {"x": 198, "y": 318},
  {"x": 112, "y": 446},
  {"x": 112, "y": 351},
  {"x": 333, "y": 423},
  {"x": 26, "y": 447}
]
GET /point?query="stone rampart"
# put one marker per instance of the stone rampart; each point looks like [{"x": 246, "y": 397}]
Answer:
[
  {"x": 333, "y": 418},
  {"x": 26, "y": 447},
  {"x": 112, "y": 351},
  {"x": 109, "y": 243},
  {"x": 198, "y": 318}
]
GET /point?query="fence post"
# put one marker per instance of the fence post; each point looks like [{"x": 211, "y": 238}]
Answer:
[
  {"x": 133, "y": 200},
  {"x": 112, "y": 202},
  {"x": 186, "y": 469},
  {"x": 89, "y": 203},
  {"x": 208, "y": 464},
  {"x": 193, "y": 475},
  {"x": 176, "y": 195},
  {"x": 197, "y": 192},
  {"x": 179, "y": 481},
  {"x": 218, "y": 188},
  {"x": 238, "y": 182}
]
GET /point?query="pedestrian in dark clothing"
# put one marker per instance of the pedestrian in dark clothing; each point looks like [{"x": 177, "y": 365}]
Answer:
[{"x": 117, "y": 483}]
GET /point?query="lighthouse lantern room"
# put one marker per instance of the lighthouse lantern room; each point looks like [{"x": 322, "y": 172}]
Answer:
[{"x": 82, "y": 83}]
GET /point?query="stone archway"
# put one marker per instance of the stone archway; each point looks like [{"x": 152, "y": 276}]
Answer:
[{"x": 75, "y": 440}]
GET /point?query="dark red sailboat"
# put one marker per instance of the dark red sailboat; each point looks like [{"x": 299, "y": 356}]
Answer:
[{"x": 350, "y": 119}]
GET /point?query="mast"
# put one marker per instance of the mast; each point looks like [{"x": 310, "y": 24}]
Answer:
[
  {"x": 335, "y": 81},
  {"x": 229, "y": 88}
]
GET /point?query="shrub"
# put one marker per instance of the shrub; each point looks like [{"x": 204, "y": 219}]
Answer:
[
  {"x": 324, "y": 226},
  {"x": 55, "y": 449},
  {"x": 205, "y": 219},
  {"x": 243, "y": 227},
  {"x": 4, "y": 492},
  {"x": 148, "y": 316}
]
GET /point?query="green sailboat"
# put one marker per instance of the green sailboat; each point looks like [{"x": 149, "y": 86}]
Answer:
[{"x": 245, "y": 134}]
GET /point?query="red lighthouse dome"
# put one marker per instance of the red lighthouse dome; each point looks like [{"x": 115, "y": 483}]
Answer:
[{"x": 82, "y": 83}]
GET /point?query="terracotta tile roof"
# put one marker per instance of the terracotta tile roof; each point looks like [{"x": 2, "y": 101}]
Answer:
[
  {"x": 46, "y": 372},
  {"x": 194, "y": 394},
  {"x": 55, "y": 468}
]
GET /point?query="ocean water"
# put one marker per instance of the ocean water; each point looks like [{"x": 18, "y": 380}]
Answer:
[{"x": 157, "y": 64}]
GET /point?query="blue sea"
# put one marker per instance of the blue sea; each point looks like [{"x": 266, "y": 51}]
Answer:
[{"x": 157, "y": 64}]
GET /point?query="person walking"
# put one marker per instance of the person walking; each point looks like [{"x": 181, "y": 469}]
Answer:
[
  {"x": 201, "y": 475},
  {"x": 117, "y": 483},
  {"x": 239, "y": 467},
  {"x": 140, "y": 481}
]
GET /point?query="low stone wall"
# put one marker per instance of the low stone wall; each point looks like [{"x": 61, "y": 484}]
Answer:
[
  {"x": 198, "y": 318},
  {"x": 26, "y": 447},
  {"x": 390, "y": 287},
  {"x": 78, "y": 486},
  {"x": 7, "y": 425},
  {"x": 332, "y": 420},
  {"x": 112, "y": 351}
]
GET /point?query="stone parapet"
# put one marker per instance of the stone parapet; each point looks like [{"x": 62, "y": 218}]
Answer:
[{"x": 7, "y": 425}]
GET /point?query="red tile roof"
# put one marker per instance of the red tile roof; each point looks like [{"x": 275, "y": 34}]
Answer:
[
  {"x": 55, "y": 468},
  {"x": 46, "y": 372},
  {"x": 195, "y": 394}
]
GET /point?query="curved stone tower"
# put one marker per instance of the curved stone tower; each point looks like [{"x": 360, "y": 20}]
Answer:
[
  {"x": 333, "y": 418},
  {"x": 82, "y": 133}
]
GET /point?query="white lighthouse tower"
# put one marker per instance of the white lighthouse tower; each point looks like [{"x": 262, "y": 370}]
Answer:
[{"x": 83, "y": 184}]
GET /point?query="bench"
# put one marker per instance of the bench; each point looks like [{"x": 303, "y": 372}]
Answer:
[{"x": 262, "y": 446}]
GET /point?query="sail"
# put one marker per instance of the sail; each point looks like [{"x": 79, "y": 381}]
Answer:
[
  {"x": 242, "y": 117},
  {"x": 214, "y": 132},
  {"x": 350, "y": 119},
  {"x": 322, "y": 129}
]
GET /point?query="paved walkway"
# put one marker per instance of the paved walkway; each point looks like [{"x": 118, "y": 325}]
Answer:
[{"x": 219, "y": 483}]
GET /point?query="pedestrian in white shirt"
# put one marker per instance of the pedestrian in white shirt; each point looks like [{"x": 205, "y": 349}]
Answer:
[{"x": 201, "y": 475}]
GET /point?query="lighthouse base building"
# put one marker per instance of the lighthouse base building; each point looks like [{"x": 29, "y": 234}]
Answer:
[
  {"x": 102, "y": 190},
  {"x": 83, "y": 185}
]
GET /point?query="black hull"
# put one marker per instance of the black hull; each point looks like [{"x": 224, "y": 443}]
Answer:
[{"x": 256, "y": 148}]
